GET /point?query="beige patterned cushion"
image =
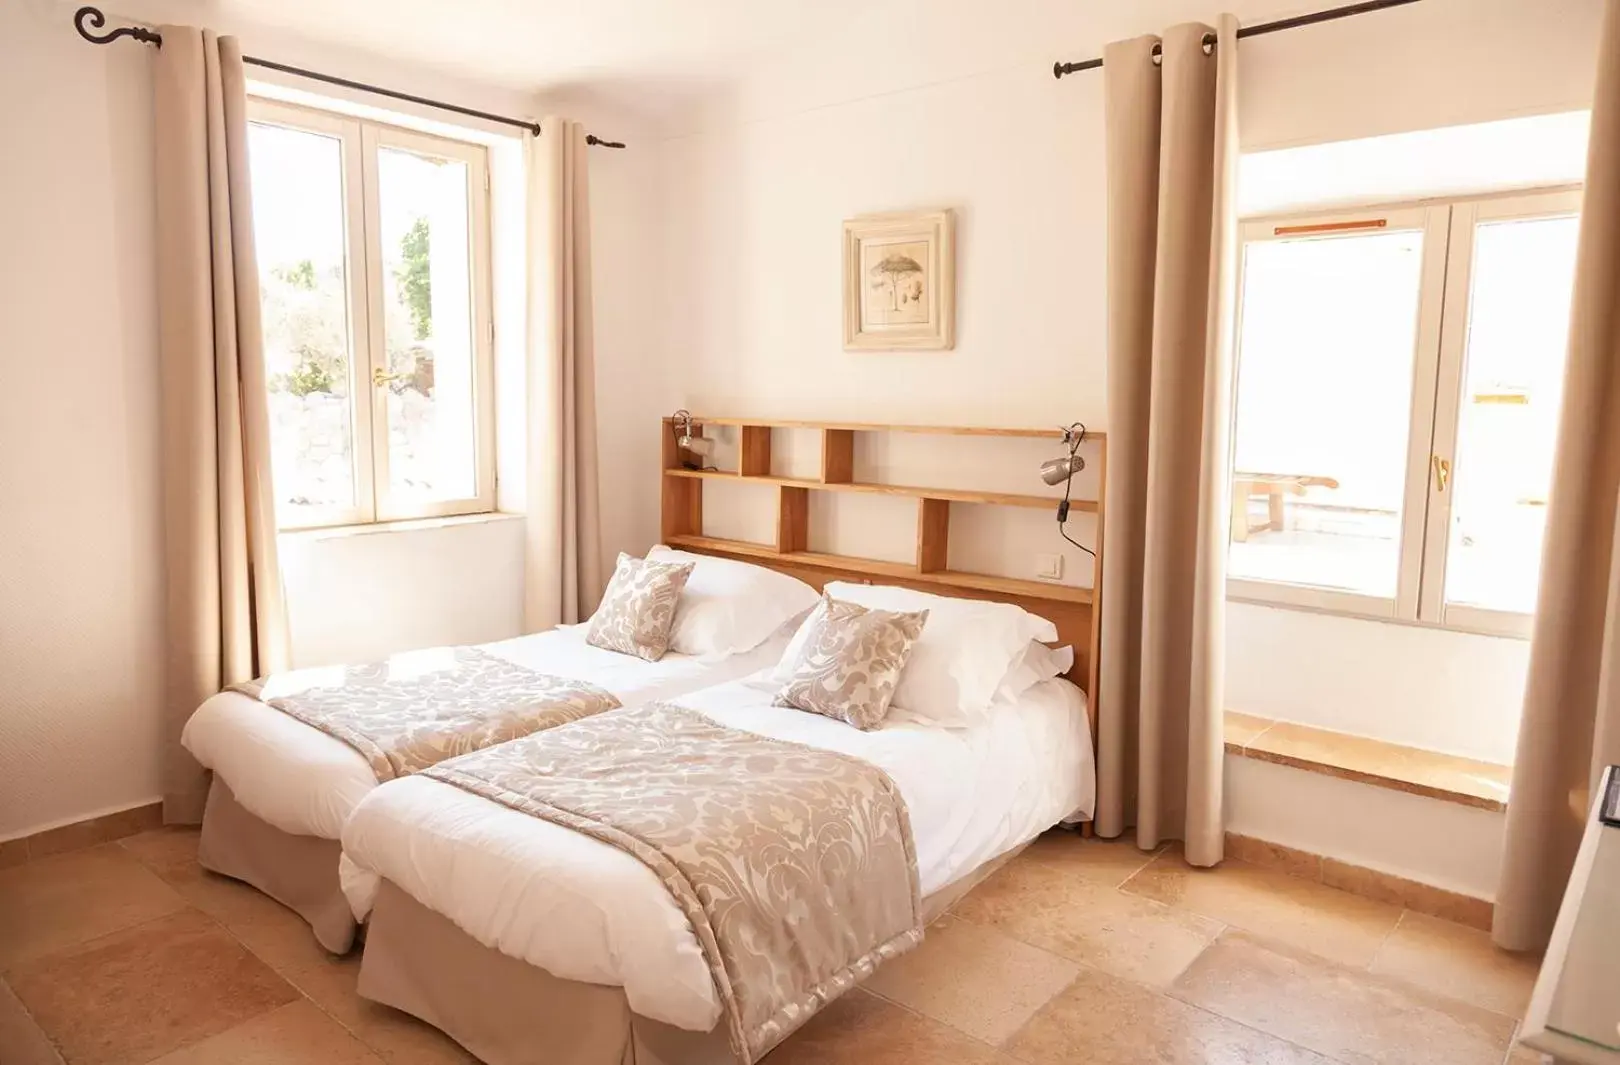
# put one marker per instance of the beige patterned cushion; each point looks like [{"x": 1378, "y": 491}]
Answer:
[
  {"x": 851, "y": 662},
  {"x": 638, "y": 609}
]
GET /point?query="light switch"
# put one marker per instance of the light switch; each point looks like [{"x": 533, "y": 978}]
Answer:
[{"x": 1049, "y": 567}]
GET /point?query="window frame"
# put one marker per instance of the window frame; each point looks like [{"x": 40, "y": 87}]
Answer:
[
  {"x": 1439, "y": 372},
  {"x": 360, "y": 140}
]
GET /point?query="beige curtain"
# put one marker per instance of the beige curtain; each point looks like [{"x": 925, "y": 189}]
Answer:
[
  {"x": 1172, "y": 147},
  {"x": 1571, "y": 723},
  {"x": 226, "y": 620},
  {"x": 563, "y": 553}
]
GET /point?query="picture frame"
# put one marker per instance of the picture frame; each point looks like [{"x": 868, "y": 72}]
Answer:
[{"x": 900, "y": 281}]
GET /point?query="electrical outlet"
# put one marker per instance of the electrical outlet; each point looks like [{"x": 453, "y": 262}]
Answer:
[{"x": 1049, "y": 567}]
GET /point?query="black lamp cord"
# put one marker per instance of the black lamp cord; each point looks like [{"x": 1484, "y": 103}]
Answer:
[{"x": 1077, "y": 436}]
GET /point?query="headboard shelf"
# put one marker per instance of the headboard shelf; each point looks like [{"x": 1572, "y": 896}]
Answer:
[
  {"x": 949, "y": 495},
  {"x": 1072, "y": 608}
]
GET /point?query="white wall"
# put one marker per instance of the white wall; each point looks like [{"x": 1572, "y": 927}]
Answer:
[
  {"x": 1445, "y": 691},
  {"x": 80, "y": 526},
  {"x": 80, "y": 555},
  {"x": 359, "y": 595},
  {"x": 929, "y": 104},
  {"x": 1455, "y": 847}
]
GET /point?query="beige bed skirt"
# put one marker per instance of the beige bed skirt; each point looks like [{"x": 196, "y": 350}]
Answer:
[
  {"x": 300, "y": 872},
  {"x": 508, "y": 1012}
]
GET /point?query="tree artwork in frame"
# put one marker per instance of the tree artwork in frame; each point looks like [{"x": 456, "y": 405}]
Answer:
[{"x": 900, "y": 282}]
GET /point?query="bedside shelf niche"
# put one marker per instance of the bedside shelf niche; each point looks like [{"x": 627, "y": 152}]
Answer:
[{"x": 682, "y": 509}]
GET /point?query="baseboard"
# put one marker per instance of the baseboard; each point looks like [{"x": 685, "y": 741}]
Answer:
[
  {"x": 81, "y": 834},
  {"x": 1360, "y": 880}
]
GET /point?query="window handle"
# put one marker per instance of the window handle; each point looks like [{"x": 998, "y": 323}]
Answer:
[
  {"x": 381, "y": 377},
  {"x": 1442, "y": 472}
]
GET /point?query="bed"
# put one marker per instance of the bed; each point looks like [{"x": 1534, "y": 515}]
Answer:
[
  {"x": 283, "y": 790},
  {"x": 528, "y": 942}
]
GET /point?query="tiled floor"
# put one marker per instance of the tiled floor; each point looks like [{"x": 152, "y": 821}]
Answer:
[{"x": 1076, "y": 952}]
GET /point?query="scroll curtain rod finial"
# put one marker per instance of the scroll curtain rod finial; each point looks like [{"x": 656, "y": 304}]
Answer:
[{"x": 92, "y": 18}]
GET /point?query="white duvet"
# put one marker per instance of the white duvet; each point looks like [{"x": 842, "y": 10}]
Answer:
[
  {"x": 584, "y": 910},
  {"x": 305, "y": 782}
]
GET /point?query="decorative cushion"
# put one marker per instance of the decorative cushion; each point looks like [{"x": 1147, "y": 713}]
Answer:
[
  {"x": 638, "y": 608},
  {"x": 850, "y": 661}
]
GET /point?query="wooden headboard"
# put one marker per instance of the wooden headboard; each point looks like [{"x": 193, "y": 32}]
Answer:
[{"x": 1071, "y": 608}]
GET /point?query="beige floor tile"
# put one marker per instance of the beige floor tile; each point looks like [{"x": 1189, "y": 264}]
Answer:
[
  {"x": 1523, "y": 1055},
  {"x": 169, "y": 852},
  {"x": 299, "y": 1033},
  {"x": 273, "y": 932},
  {"x": 974, "y": 979},
  {"x": 1102, "y": 861},
  {"x": 1334, "y": 924},
  {"x": 1046, "y": 905},
  {"x": 398, "y": 1038},
  {"x": 133, "y": 995},
  {"x": 281, "y": 938},
  {"x": 58, "y": 902},
  {"x": 22, "y": 1041},
  {"x": 861, "y": 1028},
  {"x": 1347, "y": 1014},
  {"x": 1103, "y": 1020},
  {"x": 1459, "y": 962}
]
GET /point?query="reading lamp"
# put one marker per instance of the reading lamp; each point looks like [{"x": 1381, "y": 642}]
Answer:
[
  {"x": 685, "y": 440},
  {"x": 1056, "y": 471},
  {"x": 1061, "y": 470}
]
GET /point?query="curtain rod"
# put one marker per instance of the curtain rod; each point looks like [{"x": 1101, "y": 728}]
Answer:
[
  {"x": 1365, "y": 7},
  {"x": 96, "y": 20}
]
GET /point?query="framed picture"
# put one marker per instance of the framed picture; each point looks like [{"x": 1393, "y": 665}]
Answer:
[{"x": 900, "y": 282}]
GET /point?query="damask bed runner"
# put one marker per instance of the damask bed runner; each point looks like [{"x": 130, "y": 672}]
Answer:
[
  {"x": 415, "y": 710},
  {"x": 795, "y": 866}
]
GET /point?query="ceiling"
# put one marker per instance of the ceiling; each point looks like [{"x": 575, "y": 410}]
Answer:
[{"x": 536, "y": 45}]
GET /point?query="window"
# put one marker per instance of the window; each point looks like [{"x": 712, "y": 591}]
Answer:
[
  {"x": 373, "y": 252},
  {"x": 1398, "y": 386}
]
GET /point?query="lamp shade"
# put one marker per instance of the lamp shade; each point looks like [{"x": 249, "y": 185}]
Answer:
[{"x": 1056, "y": 471}]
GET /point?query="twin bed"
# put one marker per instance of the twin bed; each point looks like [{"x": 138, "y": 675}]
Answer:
[
  {"x": 624, "y": 887},
  {"x": 283, "y": 791}
]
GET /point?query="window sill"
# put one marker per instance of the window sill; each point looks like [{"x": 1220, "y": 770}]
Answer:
[
  {"x": 1465, "y": 781},
  {"x": 335, "y": 532},
  {"x": 1498, "y": 624}
]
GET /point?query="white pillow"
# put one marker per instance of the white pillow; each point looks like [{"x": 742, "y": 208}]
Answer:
[
  {"x": 1038, "y": 662},
  {"x": 966, "y": 649},
  {"x": 788, "y": 664},
  {"x": 729, "y": 607}
]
